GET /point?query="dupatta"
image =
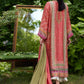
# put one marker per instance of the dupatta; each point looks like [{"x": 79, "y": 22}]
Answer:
[{"x": 41, "y": 74}]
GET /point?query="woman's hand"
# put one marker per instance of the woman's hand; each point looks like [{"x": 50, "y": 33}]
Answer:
[{"x": 41, "y": 41}]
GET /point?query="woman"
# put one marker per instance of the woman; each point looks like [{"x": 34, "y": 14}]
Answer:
[{"x": 55, "y": 32}]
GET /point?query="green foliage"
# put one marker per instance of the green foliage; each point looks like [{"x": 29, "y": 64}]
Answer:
[
  {"x": 17, "y": 55},
  {"x": 8, "y": 4},
  {"x": 76, "y": 49},
  {"x": 7, "y": 17},
  {"x": 26, "y": 40},
  {"x": 6, "y": 29},
  {"x": 7, "y": 21},
  {"x": 4, "y": 67},
  {"x": 28, "y": 43},
  {"x": 6, "y": 37},
  {"x": 76, "y": 9},
  {"x": 38, "y": 2}
]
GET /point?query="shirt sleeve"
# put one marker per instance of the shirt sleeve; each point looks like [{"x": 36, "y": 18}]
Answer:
[
  {"x": 44, "y": 22},
  {"x": 69, "y": 29}
]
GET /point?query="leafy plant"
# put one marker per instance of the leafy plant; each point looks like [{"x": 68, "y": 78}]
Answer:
[
  {"x": 76, "y": 48},
  {"x": 7, "y": 17},
  {"x": 4, "y": 67}
]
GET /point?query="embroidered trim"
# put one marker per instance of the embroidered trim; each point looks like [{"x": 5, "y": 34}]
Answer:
[
  {"x": 42, "y": 33},
  {"x": 59, "y": 20},
  {"x": 65, "y": 37},
  {"x": 59, "y": 64},
  {"x": 52, "y": 34},
  {"x": 40, "y": 29},
  {"x": 60, "y": 69}
]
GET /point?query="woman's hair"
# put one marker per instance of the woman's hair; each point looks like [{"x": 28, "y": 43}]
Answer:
[{"x": 61, "y": 5}]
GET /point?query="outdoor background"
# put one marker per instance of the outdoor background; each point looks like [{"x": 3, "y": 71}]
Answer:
[{"x": 75, "y": 49}]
